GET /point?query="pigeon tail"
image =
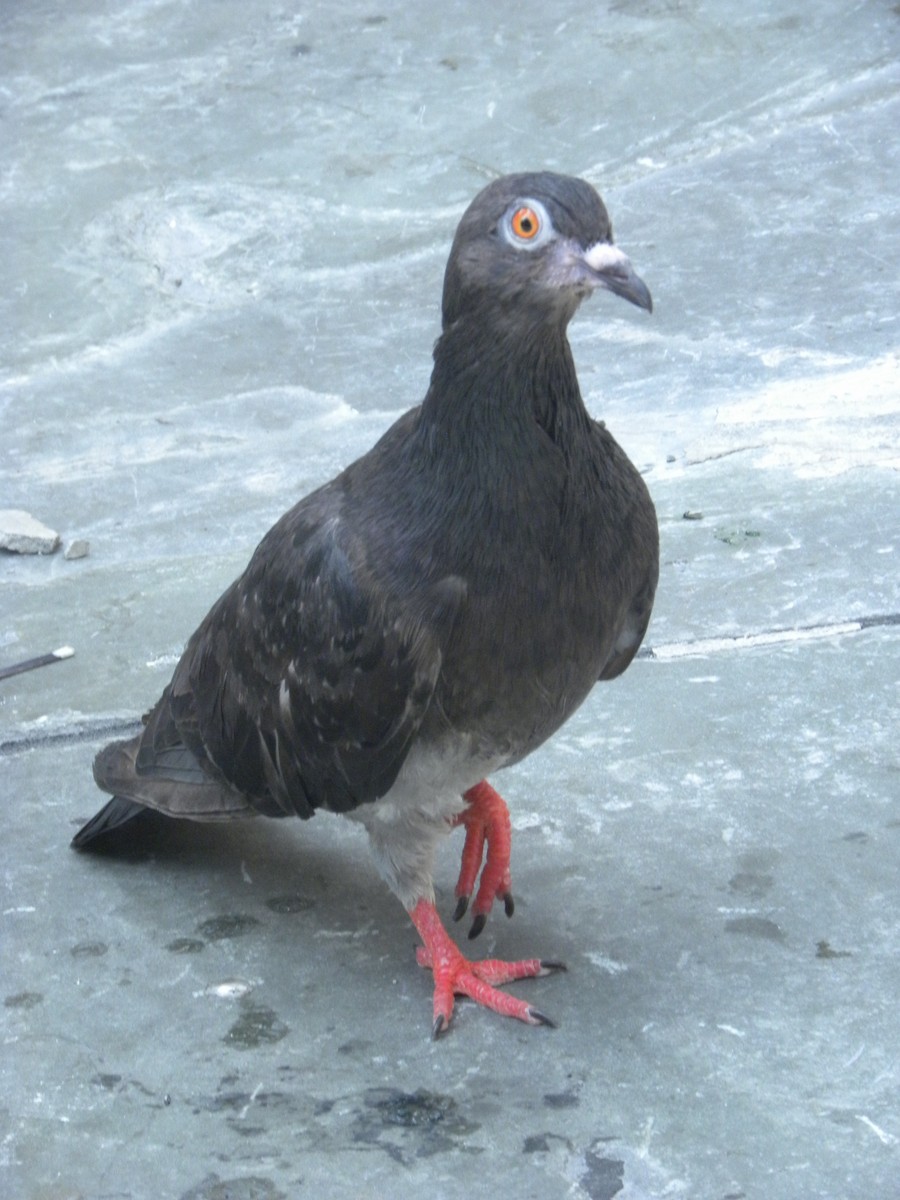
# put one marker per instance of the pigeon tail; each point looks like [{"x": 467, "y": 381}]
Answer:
[
  {"x": 174, "y": 786},
  {"x": 113, "y": 816}
]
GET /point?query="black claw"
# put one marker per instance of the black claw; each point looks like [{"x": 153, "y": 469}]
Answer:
[
  {"x": 540, "y": 1018},
  {"x": 477, "y": 925},
  {"x": 551, "y": 964},
  {"x": 438, "y": 1028},
  {"x": 509, "y": 904},
  {"x": 461, "y": 905}
]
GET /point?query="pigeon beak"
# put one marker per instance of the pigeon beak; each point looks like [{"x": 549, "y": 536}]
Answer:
[{"x": 610, "y": 268}]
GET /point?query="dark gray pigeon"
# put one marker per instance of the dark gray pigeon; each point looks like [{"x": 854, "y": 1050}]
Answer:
[{"x": 440, "y": 608}]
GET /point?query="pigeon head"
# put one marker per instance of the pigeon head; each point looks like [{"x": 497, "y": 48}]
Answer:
[{"x": 534, "y": 246}]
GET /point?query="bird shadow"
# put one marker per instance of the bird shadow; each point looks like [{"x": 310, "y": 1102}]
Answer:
[{"x": 330, "y": 859}]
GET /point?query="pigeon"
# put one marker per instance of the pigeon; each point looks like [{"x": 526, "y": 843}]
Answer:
[{"x": 435, "y": 612}]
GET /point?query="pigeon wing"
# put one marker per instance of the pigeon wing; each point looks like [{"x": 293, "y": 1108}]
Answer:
[{"x": 306, "y": 683}]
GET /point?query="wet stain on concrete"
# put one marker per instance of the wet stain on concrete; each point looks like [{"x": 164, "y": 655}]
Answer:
[
  {"x": 89, "y": 950},
  {"x": 107, "y": 1081},
  {"x": 185, "y": 945},
  {"x": 536, "y": 1143},
  {"x": 561, "y": 1100},
  {"x": 604, "y": 1178},
  {"x": 411, "y": 1125},
  {"x": 540, "y": 1143},
  {"x": 751, "y": 883},
  {"x": 250, "y": 1187},
  {"x": 230, "y": 925},
  {"x": 248, "y": 1113},
  {"x": 758, "y": 927},
  {"x": 355, "y": 1047},
  {"x": 406, "y": 1126},
  {"x": 413, "y": 1110},
  {"x": 235, "y": 1101},
  {"x": 257, "y": 1026},
  {"x": 824, "y": 950},
  {"x": 23, "y": 1000}
]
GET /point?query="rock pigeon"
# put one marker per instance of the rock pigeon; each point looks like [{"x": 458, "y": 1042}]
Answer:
[{"x": 437, "y": 610}]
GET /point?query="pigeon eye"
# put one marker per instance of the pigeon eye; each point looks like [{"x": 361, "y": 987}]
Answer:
[{"x": 525, "y": 223}]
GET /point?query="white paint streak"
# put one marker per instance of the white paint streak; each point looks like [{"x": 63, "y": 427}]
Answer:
[
  {"x": 887, "y": 1139},
  {"x": 610, "y": 965},
  {"x": 252, "y": 1100},
  {"x": 162, "y": 660},
  {"x": 855, "y": 1057},
  {"x": 228, "y": 989},
  {"x": 773, "y": 637}
]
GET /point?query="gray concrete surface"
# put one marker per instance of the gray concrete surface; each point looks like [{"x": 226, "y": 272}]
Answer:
[{"x": 223, "y": 234}]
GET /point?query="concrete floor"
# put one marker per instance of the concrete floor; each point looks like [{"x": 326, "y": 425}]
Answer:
[{"x": 209, "y": 309}]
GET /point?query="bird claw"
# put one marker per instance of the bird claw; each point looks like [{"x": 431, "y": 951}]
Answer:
[
  {"x": 538, "y": 1018},
  {"x": 462, "y": 904},
  {"x": 477, "y": 925}
]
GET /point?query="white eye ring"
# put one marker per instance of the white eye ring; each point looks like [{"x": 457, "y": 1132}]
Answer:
[{"x": 526, "y": 224}]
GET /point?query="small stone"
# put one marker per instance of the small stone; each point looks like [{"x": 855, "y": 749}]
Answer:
[
  {"x": 22, "y": 534},
  {"x": 690, "y": 515},
  {"x": 78, "y": 548}
]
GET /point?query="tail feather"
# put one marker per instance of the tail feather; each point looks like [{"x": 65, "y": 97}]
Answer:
[
  {"x": 172, "y": 783},
  {"x": 112, "y": 816}
]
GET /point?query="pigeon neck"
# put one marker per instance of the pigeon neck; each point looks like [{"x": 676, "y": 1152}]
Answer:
[{"x": 490, "y": 372}]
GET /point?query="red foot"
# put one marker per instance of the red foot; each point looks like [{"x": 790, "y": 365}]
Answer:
[
  {"x": 487, "y": 823},
  {"x": 456, "y": 975}
]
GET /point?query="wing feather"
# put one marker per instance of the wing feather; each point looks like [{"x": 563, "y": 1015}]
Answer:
[{"x": 307, "y": 681}]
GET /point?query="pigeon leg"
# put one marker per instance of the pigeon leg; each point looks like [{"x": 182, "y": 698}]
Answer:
[
  {"x": 486, "y": 819},
  {"x": 457, "y": 975}
]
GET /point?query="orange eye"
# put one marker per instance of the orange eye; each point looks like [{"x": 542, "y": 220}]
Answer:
[{"x": 525, "y": 223}]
